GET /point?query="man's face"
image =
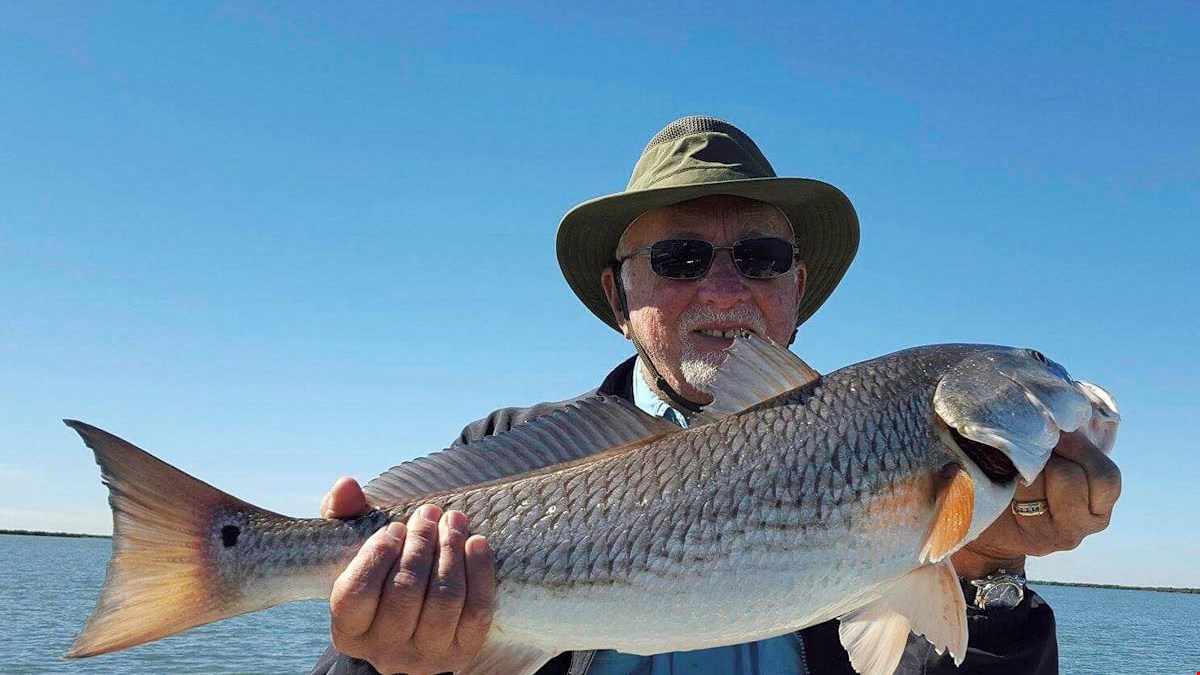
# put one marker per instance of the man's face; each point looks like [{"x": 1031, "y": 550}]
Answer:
[{"x": 673, "y": 319}]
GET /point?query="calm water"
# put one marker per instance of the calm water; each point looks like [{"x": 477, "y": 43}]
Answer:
[{"x": 50, "y": 585}]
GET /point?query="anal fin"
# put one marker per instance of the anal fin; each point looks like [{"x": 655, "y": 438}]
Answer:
[
  {"x": 507, "y": 658},
  {"x": 927, "y": 601}
]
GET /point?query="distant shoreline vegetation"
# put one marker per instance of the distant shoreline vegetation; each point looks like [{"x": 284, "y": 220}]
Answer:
[
  {"x": 40, "y": 533},
  {"x": 1159, "y": 589}
]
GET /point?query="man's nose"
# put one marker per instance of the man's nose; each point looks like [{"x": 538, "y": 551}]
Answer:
[{"x": 723, "y": 287}]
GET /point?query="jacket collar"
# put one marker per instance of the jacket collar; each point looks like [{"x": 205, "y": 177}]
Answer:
[{"x": 620, "y": 381}]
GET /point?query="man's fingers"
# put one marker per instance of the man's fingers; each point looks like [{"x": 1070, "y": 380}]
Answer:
[
  {"x": 357, "y": 590},
  {"x": 344, "y": 500},
  {"x": 1103, "y": 475},
  {"x": 476, "y": 618},
  {"x": 1066, "y": 492},
  {"x": 447, "y": 586},
  {"x": 1033, "y": 532},
  {"x": 404, "y": 593},
  {"x": 1032, "y": 492},
  {"x": 1080, "y": 484}
]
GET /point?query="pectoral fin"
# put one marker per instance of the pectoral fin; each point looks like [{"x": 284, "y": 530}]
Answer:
[
  {"x": 507, "y": 658},
  {"x": 951, "y": 514},
  {"x": 927, "y": 601}
]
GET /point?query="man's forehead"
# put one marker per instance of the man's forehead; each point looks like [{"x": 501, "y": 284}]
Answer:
[{"x": 709, "y": 217}]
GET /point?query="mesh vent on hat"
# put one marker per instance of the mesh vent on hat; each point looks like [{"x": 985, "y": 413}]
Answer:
[{"x": 694, "y": 124}]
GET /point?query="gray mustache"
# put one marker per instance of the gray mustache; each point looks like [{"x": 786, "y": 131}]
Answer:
[{"x": 695, "y": 317}]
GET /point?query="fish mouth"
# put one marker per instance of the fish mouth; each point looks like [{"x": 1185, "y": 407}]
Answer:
[
  {"x": 1009, "y": 408},
  {"x": 992, "y": 461}
]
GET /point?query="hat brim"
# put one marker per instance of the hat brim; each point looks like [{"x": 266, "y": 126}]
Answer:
[{"x": 823, "y": 219}]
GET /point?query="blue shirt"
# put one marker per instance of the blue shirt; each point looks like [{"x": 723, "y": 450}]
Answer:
[
  {"x": 645, "y": 398},
  {"x": 781, "y": 655}
]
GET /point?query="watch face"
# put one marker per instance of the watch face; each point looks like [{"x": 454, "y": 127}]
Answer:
[
  {"x": 999, "y": 591},
  {"x": 1007, "y": 595}
]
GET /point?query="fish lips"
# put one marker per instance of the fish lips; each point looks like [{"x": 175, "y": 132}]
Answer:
[
  {"x": 1020, "y": 403},
  {"x": 1101, "y": 429}
]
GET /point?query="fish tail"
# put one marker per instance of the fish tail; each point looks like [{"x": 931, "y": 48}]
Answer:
[{"x": 169, "y": 528}]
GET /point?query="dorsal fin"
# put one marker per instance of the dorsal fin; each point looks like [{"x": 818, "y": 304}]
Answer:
[
  {"x": 575, "y": 431},
  {"x": 755, "y": 370}
]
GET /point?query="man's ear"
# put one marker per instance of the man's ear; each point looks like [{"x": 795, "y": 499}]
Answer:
[
  {"x": 609, "y": 281},
  {"x": 801, "y": 278}
]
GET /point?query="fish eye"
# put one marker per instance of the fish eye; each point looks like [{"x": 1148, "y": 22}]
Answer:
[
  {"x": 229, "y": 535},
  {"x": 1038, "y": 356}
]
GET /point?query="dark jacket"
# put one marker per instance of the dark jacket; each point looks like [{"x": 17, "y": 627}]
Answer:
[{"x": 1020, "y": 640}]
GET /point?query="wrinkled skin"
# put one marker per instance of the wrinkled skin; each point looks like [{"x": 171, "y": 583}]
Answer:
[
  {"x": 1080, "y": 484},
  {"x": 667, "y": 315},
  {"x": 419, "y": 599}
]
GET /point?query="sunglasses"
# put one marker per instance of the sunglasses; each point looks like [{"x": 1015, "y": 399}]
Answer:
[{"x": 754, "y": 258}]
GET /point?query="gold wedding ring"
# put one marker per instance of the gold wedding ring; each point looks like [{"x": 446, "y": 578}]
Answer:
[{"x": 1029, "y": 509}]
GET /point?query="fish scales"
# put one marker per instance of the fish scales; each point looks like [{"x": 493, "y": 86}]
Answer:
[
  {"x": 773, "y": 481},
  {"x": 807, "y": 506}
]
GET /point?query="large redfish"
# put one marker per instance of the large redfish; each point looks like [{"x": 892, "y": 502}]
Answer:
[{"x": 792, "y": 500}]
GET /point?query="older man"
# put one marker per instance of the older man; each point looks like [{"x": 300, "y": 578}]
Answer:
[{"x": 704, "y": 242}]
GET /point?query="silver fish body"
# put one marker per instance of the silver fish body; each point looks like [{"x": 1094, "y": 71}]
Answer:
[
  {"x": 803, "y": 507},
  {"x": 769, "y": 520}
]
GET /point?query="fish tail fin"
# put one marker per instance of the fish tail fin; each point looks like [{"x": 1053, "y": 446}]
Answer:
[{"x": 164, "y": 576}]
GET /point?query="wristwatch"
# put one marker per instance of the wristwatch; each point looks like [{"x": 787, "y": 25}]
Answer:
[{"x": 999, "y": 590}]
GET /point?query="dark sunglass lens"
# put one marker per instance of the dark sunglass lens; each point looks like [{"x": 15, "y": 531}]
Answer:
[
  {"x": 681, "y": 258},
  {"x": 763, "y": 257}
]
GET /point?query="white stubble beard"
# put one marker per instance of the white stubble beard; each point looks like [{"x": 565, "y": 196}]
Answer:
[{"x": 700, "y": 369}]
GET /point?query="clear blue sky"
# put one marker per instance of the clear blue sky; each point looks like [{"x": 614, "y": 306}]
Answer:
[{"x": 275, "y": 244}]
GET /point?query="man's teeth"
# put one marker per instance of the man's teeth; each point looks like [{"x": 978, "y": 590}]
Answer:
[{"x": 726, "y": 334}]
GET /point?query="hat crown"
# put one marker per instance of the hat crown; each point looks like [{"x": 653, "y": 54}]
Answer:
[{"x": 698, "y": 149}]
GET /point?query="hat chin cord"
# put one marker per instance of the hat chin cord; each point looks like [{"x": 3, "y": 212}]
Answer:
[{"x": 677, "y": 400}]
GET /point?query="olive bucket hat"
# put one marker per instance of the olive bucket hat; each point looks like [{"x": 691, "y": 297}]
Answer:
[{"x": 696, "y": 157}]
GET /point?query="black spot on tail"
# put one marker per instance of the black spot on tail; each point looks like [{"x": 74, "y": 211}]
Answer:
[
  {"x": 994, "y": 463},
  {"x": 229, "y": 535}
]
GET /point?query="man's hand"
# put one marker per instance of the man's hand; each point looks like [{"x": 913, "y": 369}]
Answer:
[
  {"x": 417, "y": 598},
  {"x": 1080, "y": 485}
]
